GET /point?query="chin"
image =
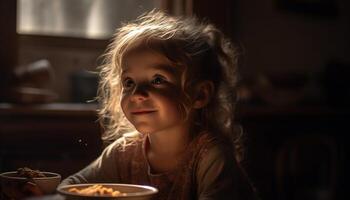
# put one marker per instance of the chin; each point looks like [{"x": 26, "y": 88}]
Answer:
[{"x": 144, "y": 129}]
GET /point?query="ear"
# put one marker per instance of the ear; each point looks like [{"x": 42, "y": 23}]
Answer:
[{"x": 203, "y": 93}]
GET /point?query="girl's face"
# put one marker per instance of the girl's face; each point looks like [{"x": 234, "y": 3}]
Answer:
[{"x": 151, "y": 92}]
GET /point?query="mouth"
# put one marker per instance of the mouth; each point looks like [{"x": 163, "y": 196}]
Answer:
[{"x": 142, "y": 112}]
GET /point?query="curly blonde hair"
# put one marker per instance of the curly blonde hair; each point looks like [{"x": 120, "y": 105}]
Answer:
[{"x": 199, "y": 48}]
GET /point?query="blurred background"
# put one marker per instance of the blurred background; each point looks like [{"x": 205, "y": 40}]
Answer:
[{"x": 294, "y": 87}]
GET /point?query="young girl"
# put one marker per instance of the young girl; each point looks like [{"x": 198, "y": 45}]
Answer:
[{"x": 168, "y": 95}]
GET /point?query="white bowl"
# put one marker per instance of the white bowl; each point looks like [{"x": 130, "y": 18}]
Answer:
[
  {"x": 132, "y": 192},
  {"x": 47, "y": 184}
]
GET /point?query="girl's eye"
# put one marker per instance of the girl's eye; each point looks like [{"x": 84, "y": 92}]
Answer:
[
  {"x": 158, "y": 80},
  {"x": 128, "y": 83}
]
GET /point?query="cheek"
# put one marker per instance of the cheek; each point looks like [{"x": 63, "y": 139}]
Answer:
[
  {"x": 171, "y": 106},
  {"x": 178, "y": 100},
  {"x": 174, "y": 93},
  {"x": 124, "y": 104}
]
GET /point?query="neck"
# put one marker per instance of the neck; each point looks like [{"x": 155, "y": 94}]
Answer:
[
  {"x": 172, "y": 141},
  {"x": 166, "y": 148},
  {"x": 169, "y": 142}
]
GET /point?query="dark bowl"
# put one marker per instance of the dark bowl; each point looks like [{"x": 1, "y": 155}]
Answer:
[{"x": 47, "y": 184}]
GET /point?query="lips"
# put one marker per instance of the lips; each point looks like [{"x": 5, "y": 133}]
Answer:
[{"x": 142, "y": 112}]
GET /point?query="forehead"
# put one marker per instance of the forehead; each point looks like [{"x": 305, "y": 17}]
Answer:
[{"x": 148, "y": 59}]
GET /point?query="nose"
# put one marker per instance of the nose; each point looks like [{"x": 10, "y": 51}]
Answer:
[{"x": 140, "y": 93}]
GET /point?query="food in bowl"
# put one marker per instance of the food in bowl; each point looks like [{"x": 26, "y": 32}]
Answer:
[
  {"x": 26, "y": 172},
  {"x": 47, "y": 182},
  {"x": 94, "y": 191},
  {"x": 97, "y": 190}
]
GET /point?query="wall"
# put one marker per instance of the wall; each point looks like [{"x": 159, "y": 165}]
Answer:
[{"x": 282, "y": 41}]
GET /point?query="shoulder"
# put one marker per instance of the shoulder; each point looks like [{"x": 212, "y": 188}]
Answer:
[
  {"x": 218, "y": 174},
  {"x": 212, "y": 154},
  {"x": 213, "y": 148},
  {"x": 216, "y": 168}
]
